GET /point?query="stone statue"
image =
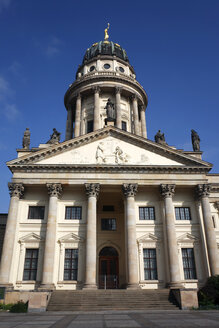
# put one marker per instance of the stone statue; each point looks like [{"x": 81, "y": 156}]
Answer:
[
  {"x": 110, "y": 111},
  {"x": 159, "y": 138},
  {"x": 195, "y": 140},
  {"x": 120, "y": 156},
  {"x": 54, "y": 137},
  {"x": 26, "y": 139},
  {"x": 100, "y": 157},
  {"x": 106, "y": 36}
]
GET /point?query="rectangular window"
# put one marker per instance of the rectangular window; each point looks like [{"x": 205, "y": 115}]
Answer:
[
  {"x": 90, "y": 127},
  {"x": 108, "y": 224},
  {"x": 71, "y": 264},
  {"x": 36, "y": 212},
  {"x": 150, "y": 264},
  {"x": 146, "y": 213},
  {"x": 182, "y": 213},
  {"x": 188, "y": 263},
  {"x": 124, "y": 126},
  {"x": 73, "y": 212},
  {"x": 30, "y": 264}
]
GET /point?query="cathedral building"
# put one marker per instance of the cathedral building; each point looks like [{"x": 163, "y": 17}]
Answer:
[{"x": 107, "y": 207}]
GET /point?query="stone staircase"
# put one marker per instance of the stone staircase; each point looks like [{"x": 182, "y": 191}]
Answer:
[{"x": 117, "y": 299}]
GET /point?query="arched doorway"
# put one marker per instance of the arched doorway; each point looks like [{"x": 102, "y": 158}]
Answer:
[{"x": 108, "y": 268}]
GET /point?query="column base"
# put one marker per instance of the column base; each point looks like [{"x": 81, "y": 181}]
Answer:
[
  {"x": 46, "y": 287},
  {"x": 90, "y": 286},
  {"x": 133, "y": 286},
  {"x": 175, "y": 285}
]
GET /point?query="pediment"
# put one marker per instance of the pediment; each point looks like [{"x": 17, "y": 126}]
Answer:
[
  {"x": 187, "y": 237},
  {"x": 148, "y": 237},
  {"x": 107, "y": 147},
  {"x": 70, "y": 238},
  {"x": 31, "y": 237}
]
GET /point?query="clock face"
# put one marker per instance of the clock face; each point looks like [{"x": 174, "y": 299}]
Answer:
[
  {"x": 106, "y": 66},
  {"x": 121, "y": 69},
  {"x": 92, "y": 68}
]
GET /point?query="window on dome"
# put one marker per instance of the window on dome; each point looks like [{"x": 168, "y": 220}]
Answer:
[
  {"x": 92, "y": 68},
  {"x": 121, "y": 69},
  {"x": 90, "y": 126},
  {"x": 106, "y": 66},
  {"x": 124, "y": 126}
]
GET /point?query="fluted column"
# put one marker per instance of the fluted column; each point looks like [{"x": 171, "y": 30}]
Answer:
[
  {"x": 92, "y": 191},
  {"x": 69, "y": 124},
  {"x": 203, "y": 192},
  {"x": 143, "y": 122},
  {"x": 118, "y": 108},
  {"x": 54, "y": 190},
  {"x": 167, "y": 191},
  {"x": 78, "y": 116},
  {"x": 135, "y": 114},
  {"x": 16, "y": 192},
  {"x": 96, "y": 108},
  {"x": 129, "y": 191}
]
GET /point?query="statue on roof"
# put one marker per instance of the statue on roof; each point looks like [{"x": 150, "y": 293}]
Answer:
[
  {"x": 110, "y": 111},
  {"x": 195, "y": 140},
  {"x": 160, "y": 138},
  {"x": 106, "y": 37},
  {"x": 54, "y": 137},
  {"x": 26, "y": 139}
]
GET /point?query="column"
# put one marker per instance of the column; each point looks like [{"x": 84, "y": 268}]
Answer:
[
  {"x": 54, "y": 191},
  {"x": 203, "y": 192},
  {"x": 77, "y": 116},
  {"x": 167, "y": 191},
  {"x": 135, "y": 114},
  {"x": 69, "y": 124},
  {"x": 118, "y": 108},
  {"x": 143, "y": 122},
  {"x": 92, "y": 191},
  {"x": 96, "y": 108},
  {"x": 129, "y": 191},
  {"x": 16, "y": 192}
]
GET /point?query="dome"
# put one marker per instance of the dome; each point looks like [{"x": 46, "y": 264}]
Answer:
[{"x": 105, "y": 48}]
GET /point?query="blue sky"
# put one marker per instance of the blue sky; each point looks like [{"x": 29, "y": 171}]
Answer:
[{"x": 172, "y": 44}]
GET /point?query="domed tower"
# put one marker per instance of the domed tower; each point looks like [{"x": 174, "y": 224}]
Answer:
[{"x": 105, "y": 92}]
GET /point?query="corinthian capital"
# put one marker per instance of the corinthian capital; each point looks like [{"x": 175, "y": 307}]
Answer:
[
  {"x": 216, "y": 205},
  {"x": 167, "y": 190},
  {"x": 118, "y": 89},
  {"x": 96, "y": 89},
  {"x": 54, "y": 189},
  {"x": 16, "y": 189},
  {"x": 129, "y": 189},
  {"x": 203, "y": 190},
  {"x": 92, "y": 189}
]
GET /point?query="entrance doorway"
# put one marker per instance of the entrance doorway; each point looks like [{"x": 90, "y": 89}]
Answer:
[{"x": 108, "y": 268}]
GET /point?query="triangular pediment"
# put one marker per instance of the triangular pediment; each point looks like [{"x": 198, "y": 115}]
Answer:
[
  {"x": 148, "y": 237},
  {"x": 70, "y": 238},
  {"x": 187, "y": 237},
  {"x": 31, "y": 237},
  {"x": 107, "y": 147}
]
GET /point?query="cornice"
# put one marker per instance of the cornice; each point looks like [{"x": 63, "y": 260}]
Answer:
[
  {"x": 140, "y": 169},
  {"x": 163, "y": 150},
  {"x": 104, "y": 76}
]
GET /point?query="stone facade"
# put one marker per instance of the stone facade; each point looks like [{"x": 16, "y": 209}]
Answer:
[{"x": 111, "y": 175}]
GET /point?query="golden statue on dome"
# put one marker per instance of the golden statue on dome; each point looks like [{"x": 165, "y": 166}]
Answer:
[{"x": 106, "y": 37}]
